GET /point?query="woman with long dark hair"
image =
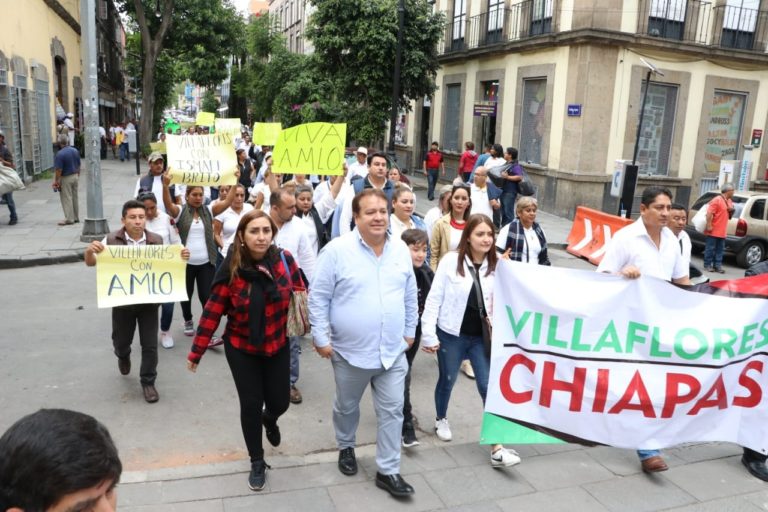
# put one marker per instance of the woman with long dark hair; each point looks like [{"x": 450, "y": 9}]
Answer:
[
  {"x": 253, "y": 288},
  {"x": 448, "y": 229}
]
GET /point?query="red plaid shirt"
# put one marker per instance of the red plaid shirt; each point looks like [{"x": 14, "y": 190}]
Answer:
[{"x": 233, "y": 299}]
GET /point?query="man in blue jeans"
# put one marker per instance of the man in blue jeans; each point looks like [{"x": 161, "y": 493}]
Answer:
[
  {"x": 512, "y": 175},
  {"x": 433, "y": 163}
]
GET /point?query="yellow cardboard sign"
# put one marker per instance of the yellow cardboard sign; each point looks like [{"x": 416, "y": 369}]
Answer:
[
  {"x": 313, "y": 148},
  {"x": 266, "y": 134},
  {"x": 158, "y": 146},
  {"x": 229, "y": 125},
  {"x": 144, "y": 274},
  {"x": 206, "y": 160},
  {"x": 205, "y": 119}
]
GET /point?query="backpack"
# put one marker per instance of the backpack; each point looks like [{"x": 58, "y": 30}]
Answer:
[{"x": 525, "y": 186}]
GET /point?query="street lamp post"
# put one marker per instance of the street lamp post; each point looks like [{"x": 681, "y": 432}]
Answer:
[
  {"x": 396, "y": 80},
  {"x": 95, "y": 224}
]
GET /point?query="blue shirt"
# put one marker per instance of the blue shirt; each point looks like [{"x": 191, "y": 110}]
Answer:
[
  {"x": 68, "y": 160},
  {"x": 362, "y": 303},
  {"x": 510, "y": 187}
]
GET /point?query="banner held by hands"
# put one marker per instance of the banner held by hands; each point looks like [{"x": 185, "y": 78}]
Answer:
[{"x": 313, "y": 148}]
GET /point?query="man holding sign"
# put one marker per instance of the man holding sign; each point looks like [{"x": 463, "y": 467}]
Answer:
[{"x": 124, "y": 318}]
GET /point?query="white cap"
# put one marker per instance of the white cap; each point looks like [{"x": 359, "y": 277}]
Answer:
[
  {"x": 70, "y": 114},
  {"x": 362, "y": 150}
]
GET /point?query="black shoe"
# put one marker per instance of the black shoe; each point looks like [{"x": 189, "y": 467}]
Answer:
[
  {"x": 13, "y": 222},
  {"x": 258, "y": 477},
  {"x": 409, "y": 435},
  {"x": 394, "y": 485},
  {"x": 272, "y": 430},
  {"x": 347, "y": 461},
  {"x": 756, "y": 468},
  {"x": 150, "y": 393},
  {"x": 124, "y": 365}
]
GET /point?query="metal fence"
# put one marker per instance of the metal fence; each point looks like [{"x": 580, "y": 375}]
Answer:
[
  {"x": 682, "y": 20},
  {"x": 740, "y": 28}
]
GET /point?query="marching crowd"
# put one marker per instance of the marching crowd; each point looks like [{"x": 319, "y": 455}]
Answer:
[{"x": 377, "y": 282}]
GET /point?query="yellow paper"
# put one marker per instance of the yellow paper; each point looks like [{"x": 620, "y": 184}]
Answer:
[
  {"x": 314, "y": 148},
  {"x": 205, "y": 119},
  {"x": 231, "y": 126},
  {"x": 158, "y": 146},
  {"x": 144, "y": 274},
  {"x": 266, "y": 134},
  {"x": 206, "y": 160}
]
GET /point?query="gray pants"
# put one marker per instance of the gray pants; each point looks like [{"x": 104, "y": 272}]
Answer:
[
  {"x": 124, "y": 320},
  {"x": 68, "y": 197},
  {"x": 295, "y": 343},
  {"x": 387, "y": 387}
]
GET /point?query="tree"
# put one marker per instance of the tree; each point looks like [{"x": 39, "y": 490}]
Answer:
[
  {"x": 196, "y": 36},
  {"x": 210, "y": 103},
  {"x": 355, "y": 44}
]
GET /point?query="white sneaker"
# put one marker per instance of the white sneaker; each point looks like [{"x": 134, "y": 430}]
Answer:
[
  {"x": 443, "y": 430},
  {"x": 466, "y": 367},
  {"x": 189, "y": 328},
  {"x": 504, "y": 458},
  {"x": 166, "y": 340}
]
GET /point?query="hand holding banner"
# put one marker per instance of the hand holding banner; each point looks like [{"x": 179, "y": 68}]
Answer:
[
  {"x": 143, "y": 274},
  {"x": 314, "y": 148},
  {"x": 266, "y": 134},
  {"x": 205, "y": 119},
  {"x": 231, "y": 126},
  {"x": 206, "y": 160}
]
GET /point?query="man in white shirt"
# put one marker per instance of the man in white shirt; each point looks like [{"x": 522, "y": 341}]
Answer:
[
  {"x": 650, "y": 248},
  {"x": 481, "y": 201},
  {"x": 359, "y": 167},
  {"x": 292, "y": 235},
  {"x": 70, "y": 128}
]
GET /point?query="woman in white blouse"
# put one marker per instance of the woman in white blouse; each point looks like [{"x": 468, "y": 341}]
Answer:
[
  {"x": 225, "y": 224},
  {"x": 523, "y": 239},
  {"x": 402, "y": 216}
]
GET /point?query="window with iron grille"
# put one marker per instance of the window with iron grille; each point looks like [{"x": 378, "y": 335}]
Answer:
[
  {"x": 541, "y": 17},
  {"x": 657, "y": 130},
  {"x": 739, "y": 22},
  {"x": 458, "y": 26},
  {"x": 495, "y": 15},
  {"x": 667, "y": 18},
  {"x": 452, "y": 116},
  {"x": 533, "y": 126}
]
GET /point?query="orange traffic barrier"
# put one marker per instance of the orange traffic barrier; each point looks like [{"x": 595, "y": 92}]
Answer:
[{"x": 591, "y": 232}]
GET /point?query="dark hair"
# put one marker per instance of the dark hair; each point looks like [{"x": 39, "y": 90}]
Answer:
[
  {"x": 276, "y": 198},
  {"x": 379, "y": 154},
  {"x": 678, "y": 206},
  {"x": 498, "y": 149},
  {"x": 52, "y": 453},
  {"x": 131, "y": 204},
  {"x": 465, "y": 188},
  {"x": 241, "y": 256},
  {"x": 190, "y": 188},
  {"x": 463, "y": 248},
  {"x": 241, "y": 150},
  {"x": 512, "y": 152},
  {"x": 143, "y": 196},
  {"x": 651, "y": 193},
  {"x": 367, "y": 192},
  {"x": 414, "y": 236},
  {"x": 435, "y": 143},
  {"x": 470, "y": 145}
]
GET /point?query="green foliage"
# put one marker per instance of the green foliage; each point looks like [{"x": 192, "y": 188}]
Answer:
[{"x": 210, "y": 103}]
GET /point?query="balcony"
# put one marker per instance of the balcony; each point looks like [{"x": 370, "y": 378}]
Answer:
[
  {"x": 678, "y": 20},
  {"x": 740, "y": 28},
  {"x": 523, "y": 20}
]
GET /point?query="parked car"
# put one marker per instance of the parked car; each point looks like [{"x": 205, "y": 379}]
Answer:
[{"x": 747, "y": 235}]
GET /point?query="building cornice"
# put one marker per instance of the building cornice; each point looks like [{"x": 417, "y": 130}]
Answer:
[{"x": 59, "y": 9}]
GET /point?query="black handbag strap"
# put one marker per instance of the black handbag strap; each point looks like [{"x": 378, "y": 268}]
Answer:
[{"x": 478, "y": 290}]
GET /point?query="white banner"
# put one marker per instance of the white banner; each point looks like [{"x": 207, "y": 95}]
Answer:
[{"x": 627, "y": 363}]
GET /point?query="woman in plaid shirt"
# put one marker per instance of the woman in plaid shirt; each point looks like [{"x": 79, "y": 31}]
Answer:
[{"x": 253, "y": 287}]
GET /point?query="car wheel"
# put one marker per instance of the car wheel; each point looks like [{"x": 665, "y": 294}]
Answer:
[{"x": 752, "y": 253}]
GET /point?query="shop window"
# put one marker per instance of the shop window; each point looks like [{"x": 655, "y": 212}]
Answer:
[
  {"x": 452, "y": 117},
  {"x": 532, "y": 121},
  {"x": 658, "y": 126}
]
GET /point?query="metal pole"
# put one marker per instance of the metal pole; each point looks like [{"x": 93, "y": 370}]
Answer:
[
  {"x": 95, "y": 225},
  {"x": 642, "y": 114},
  {"x": 396, "y": 79},
  {"x": 138, "y": 150}
]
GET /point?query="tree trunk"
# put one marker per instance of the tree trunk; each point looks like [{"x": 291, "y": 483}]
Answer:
[{"x": 146, "y": 121}]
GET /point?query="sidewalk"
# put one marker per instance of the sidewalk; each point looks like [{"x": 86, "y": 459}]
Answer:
[{"x": 38, "y": 240}]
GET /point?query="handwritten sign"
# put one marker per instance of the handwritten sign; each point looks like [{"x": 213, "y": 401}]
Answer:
[
  {"x": 144, "y": 274},
  {"x": 231, "y": 126},
  {"x": 158, "y": 146},
  {"x": 314, "y": 148},
  {"x": 266, "y": 134},
  {"x": 205, "y": 119},
  {"x": 206, "y": 160}
]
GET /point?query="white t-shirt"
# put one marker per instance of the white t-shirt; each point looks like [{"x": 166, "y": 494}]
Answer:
[
  {"x": 455, "y": 238},
  {"x": 294, "y": 237},
  {"x": 198, "y": 251},
  {"x": 157, "y": 189},
  {"x": 262, "y": 188},
  {"x": 480, "y": 201},
  {"x": 532, "y": 246},
  {"x": 230, "y": 219},
  {"x": 684, "y": 242},
  {"x": 494, "y": 162},
  {"x": 356, "y": 169},
  {"x": 161, "y": 225},
  {"x": 432, "y": 216}
]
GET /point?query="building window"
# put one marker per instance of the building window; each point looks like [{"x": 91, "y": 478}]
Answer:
[
  {"x": 452, "y": 117},
  {"x": 667, "y": 19},
  {"x": 541, "y": 17},
  {"x": 658, "y": 125},
  {"x": 739, "y": 22},
  {"x": 532, "y": 121},
  {"x": 725, "y": 120},
  {"x": 401, "y": 127},
  {"x": 458, "y": 26},
  {"x": 495, "y": 20}
]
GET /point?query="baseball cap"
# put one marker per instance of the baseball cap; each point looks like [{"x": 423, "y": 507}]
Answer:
[
  {"x": 2, "y": 133},
  {"x": 155, "y": 155},
  {"x": 362, "y": 150},
  {"x": 446, "y": 189}
]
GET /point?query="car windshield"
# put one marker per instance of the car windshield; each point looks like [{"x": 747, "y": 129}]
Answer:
[{"x": 738, "y": 203}]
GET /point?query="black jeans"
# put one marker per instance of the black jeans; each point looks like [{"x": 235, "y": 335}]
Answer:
[
  {"x": 124, "y": 320},
  {"x": 260, "y": 381},
  {"x": 410, "y": 354},
  {"x": 203, "y": 274}
]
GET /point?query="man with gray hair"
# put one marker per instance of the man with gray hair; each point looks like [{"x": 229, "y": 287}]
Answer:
[
  {"x": 719, "y": 210},
  {"x": 67, "y": 168}
]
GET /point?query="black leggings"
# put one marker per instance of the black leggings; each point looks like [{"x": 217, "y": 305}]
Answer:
[
  {"x": 203, "y": 274},
  {"x": 260, "y": 381}
]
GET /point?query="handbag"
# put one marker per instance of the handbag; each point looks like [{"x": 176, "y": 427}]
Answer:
[
  {"x": 9, "y": 180},
  {"x": 485, "y": 322},
  {"x": 298, "y": 309},
  {"x": 525, "y": 186}
]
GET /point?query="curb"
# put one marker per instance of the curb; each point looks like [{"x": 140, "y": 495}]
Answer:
[{"x": 35, "y": 261}]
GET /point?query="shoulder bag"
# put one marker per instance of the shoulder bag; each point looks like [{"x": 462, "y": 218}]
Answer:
[
  {"x": 485, "y": 321},
  {"x": 298, "y": 309}
]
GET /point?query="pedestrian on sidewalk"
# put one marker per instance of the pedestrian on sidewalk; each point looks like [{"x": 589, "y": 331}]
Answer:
[
  {"x": 6, "y": 159},
  {"x": 511, "y": 176},
  {"x": 58, "y": 460},
  {"x": 253, "y": 288},
  {"x": 66, "y": 166},
  {"x": 433, "y": 164},
  {"x": 458, "y": 304},
  {"x": 719, "y": 211},
  {"x": 195, "y": 223},
  {"x": 363, "y": 310},
  {"x": 125, "y": 318},
  {"x": 467, "y": 161}
]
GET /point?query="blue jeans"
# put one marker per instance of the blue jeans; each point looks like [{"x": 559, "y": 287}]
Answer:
[
  {"x": 11, "y": 205},
  {"x": 647, "y": 454},
  {"x": 453, "y": 350},
  {"x": 123, "y": 151},
  {"x": 507, "y": 207},
  {"x": 713, "y": 252},
  {"x": 166, "y": 315},
  {"x": 431, "y": 182}
]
